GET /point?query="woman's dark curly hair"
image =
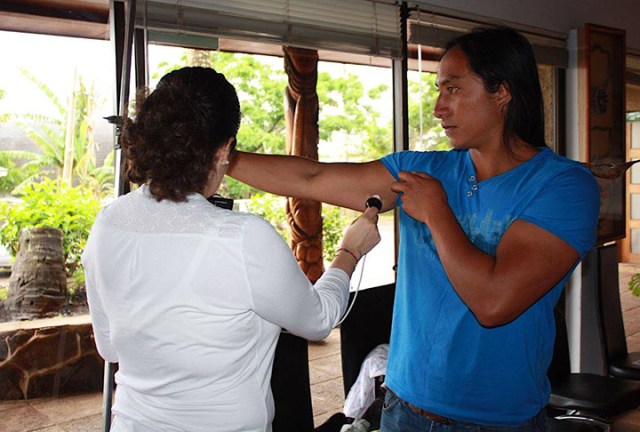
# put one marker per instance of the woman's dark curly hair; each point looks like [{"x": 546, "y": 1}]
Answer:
[{"x": 178, "y": 129}]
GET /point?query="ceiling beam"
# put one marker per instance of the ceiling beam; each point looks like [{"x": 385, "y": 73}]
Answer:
[{"x": 76, "y": 18}]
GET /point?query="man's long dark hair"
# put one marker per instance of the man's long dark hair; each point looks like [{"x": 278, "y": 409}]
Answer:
[{"x": 501, "y": 55}]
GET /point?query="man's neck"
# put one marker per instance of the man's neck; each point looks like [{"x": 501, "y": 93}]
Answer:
[{"x": 491, "y": 163}]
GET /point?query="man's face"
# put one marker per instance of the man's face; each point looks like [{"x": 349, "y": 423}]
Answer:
[{"x": 472, "y": 117}]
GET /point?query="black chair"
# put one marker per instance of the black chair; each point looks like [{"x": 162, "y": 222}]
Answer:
[
  {"x": 587, "y": 397},
  {"x": 571, "y": 426},
  {"x": 620, "y": 363},
  {"x": 367, "y": 326}
]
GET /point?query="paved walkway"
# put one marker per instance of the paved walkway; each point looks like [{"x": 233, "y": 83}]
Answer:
[
  {"x": 83, "y": 413},
  {"x": 325, "y": 374}
]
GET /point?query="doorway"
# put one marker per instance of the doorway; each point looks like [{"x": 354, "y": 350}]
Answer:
[{"x": 630, "y": 245}]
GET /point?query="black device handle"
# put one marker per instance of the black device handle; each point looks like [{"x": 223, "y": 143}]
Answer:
[
  {"x": 220, "y": 201},
  {"x": 374, "y": 201}
]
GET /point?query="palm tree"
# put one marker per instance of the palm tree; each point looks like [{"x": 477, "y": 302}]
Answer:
[{"x": 66, "y": 142}]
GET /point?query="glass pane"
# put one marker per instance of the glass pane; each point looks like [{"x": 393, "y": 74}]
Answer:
[
  {"x": 356, "y": 126},
  {"x": 635, "y": 240},
  {"x": 635, "y": 135},
  {"x": 635, "y": 206},
  {"x": 38, "y": 102},
  {"x": 425, "y": 132},
  {"x": 635, "y": 174},
  {"x": 632, "y": 96},
  {"x": 48, "y": 85}
]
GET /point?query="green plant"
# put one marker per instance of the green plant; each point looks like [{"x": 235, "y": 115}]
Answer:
[
  {"x": 4, "y": 291},
  {"x": 425, "y": 132},
  {"x": 52, "y": 203},
  {"x": 334, "y": 222},
  {"x": 634, "y": 284},
  {"x": 64, "y": 139},
  {"x": 272, "y": 208},
  {"x": 16, "y": 174}
]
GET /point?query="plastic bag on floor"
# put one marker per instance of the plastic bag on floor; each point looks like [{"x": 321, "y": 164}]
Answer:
[
  {"x": 359, "y": 425},
  {"x": 362, "y": 393}
]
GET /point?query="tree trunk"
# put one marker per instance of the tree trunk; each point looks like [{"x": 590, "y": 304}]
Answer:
[
  {"x": 38, "y": 283},
  {"x": 70, "y": 136},
  {"x": 198, "y": 57}
]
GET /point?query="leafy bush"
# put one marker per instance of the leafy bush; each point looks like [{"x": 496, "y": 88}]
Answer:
[
  {"x": 634, "y": 284},
  {"x": 52, "y": 203},
  {"x": 272, "y": 208},
  {"x": 334, "y": 222},
  {"x": 16, "y": 173}
]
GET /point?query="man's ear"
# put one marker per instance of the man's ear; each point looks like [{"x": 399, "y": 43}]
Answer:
[{"x": 503, "y": 96}]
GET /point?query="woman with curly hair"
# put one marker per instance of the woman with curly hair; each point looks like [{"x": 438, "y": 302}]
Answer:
[{"x": 188, "y": 298}]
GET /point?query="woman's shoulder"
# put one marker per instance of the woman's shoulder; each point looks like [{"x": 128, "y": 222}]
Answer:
[{"x": 227, "y": 223}]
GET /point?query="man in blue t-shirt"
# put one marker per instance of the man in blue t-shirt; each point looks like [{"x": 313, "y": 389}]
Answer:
[{"x": 489, "y": 233}]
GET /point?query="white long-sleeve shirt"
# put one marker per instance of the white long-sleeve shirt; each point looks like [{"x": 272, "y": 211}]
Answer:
[{"x": 189, "y": 299}]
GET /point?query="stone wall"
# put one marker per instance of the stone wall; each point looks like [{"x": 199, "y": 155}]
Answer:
[{"x": 48, "y": 358}]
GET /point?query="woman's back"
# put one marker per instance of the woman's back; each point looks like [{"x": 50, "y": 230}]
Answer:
[{"x": 180, "y": 313}]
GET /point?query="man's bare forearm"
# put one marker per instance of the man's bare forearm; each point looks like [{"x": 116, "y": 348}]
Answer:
[{"x": 342, "y": 184}]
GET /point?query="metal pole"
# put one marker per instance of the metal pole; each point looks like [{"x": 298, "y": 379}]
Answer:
[
  {"x": 400, "y": 88},
  {"x": 122, "y": 29},
  {"x": 123, "y": 61},
  {"x": 400, "y": 104},
  {"x": 107, "y": 396}
]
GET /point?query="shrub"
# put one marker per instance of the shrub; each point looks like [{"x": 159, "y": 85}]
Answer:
[
  {"x": 634, "y": 284},
  {"x": 52, "y": 203},
  {"x": 272, "y": 208},
  {"x": 334, "y": 222}
]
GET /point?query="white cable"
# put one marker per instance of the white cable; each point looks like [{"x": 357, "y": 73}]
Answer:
[
  {"x": 355, "y": 294},
  {"x": 372, "y": 201}
]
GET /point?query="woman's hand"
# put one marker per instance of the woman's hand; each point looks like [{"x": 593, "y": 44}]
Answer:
[{"x": 362, "y": 235}]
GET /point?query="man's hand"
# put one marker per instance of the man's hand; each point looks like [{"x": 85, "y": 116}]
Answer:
[{"x": 422, "y": 196}]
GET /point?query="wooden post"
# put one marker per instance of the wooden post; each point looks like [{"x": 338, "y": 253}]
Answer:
[{"x": 301, "y": 115}]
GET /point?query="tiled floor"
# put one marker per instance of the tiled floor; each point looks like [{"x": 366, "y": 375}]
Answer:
[
  {"x": 83, "y": 413},
  {"x": 325, "y": 374}
]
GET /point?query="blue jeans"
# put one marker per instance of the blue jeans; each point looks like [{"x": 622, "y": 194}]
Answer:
[{"x": 398, "y": 417}]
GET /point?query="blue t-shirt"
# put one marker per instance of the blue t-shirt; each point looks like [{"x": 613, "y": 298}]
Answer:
[{"x": 441, "y": 359}]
